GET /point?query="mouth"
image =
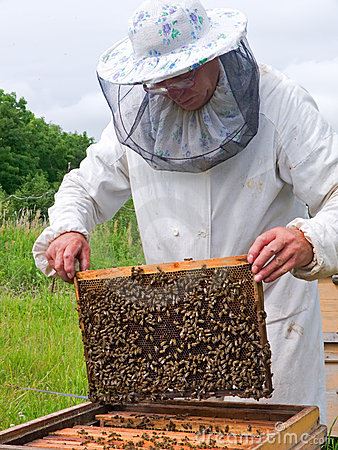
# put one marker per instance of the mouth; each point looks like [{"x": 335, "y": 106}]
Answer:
[{"x": 187, "y": 102}]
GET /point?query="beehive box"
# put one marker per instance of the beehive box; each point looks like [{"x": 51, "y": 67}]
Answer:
[
  {"x": 173, "y": 425},
  {"x": 188, "y": 329}
]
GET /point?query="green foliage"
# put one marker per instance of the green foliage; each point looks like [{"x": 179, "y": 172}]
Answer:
[
  {"x": 17, "y": 267},
  {"x": 115, "y": 243},
  {"x": 34, "y": 153},
  {"x": 331, "y": 442},
  {"x": 56, "y": 150},
  {"x": 42, "y": 198},
  {"x": 4, "y": 204},
  {"x": 118, "y": 240},
  {"x": 16, "y": 156}
]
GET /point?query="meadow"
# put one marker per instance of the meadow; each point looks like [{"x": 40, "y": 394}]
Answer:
[{"x": 40, "y": 340}]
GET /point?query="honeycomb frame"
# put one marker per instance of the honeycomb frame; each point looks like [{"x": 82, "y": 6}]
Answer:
[{"x": 129, "y": 315}]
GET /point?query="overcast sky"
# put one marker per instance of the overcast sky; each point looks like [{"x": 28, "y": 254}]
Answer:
[{"x": 49, "y": 51}]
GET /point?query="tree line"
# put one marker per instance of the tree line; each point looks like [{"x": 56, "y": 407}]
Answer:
[{"x": 34, "y": 156}]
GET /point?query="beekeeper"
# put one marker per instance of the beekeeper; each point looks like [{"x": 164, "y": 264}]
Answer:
[{"x": 221, "y": 158}]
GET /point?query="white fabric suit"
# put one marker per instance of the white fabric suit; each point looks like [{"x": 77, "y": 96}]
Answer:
[{"x": 291, "y": 163}]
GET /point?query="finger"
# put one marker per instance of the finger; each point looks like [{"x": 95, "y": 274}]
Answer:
[
  {"x": 62, "y": 274},
  {"x": 58, "y": 264},
  {"x": 275, "y": 264},
  {"x": 84, "y": 257},
  {"x": 59, "y": 267},
  {"x": 70, "y": 253},
  {"x": 51, "y": 261},
  {"x": 273, "y": 248},
  {"x": 50, "y": 252},
  {"x": 262, "y": 240},
  {"x": 289, "y": 265}
]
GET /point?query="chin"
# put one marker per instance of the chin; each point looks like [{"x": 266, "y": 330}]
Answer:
[
  {"x": 198, "y": 103},
  {"x": 193, "y": 106}
]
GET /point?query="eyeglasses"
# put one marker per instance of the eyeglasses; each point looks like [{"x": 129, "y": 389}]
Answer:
[{"x": 181, "y": 82}]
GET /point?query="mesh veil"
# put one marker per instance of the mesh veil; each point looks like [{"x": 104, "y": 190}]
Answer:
[{"x": 141, "y": 121}]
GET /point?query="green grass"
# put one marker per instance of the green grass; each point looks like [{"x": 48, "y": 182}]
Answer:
[
  {"x": 40, "y": 348},
  {"x": 331, "y": 442},
  {"x": 40, "y": 340}
]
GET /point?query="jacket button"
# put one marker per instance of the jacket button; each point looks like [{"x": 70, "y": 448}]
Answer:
[
  {"x": 176, "y": 232},
  {"x": 202, "y": 234}
]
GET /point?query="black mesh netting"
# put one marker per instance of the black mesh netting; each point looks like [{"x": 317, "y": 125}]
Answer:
[{"x": 172, "y": 139}]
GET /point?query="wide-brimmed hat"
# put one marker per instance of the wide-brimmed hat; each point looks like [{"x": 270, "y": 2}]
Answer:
[{"x": 171, "y": 37}]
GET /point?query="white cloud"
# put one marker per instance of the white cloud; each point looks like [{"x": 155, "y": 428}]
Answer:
[
  {"x": 320, "y": 79},
  {"x": 49, "y": 50},
  {"x": 289, "y": 31},
  {"x": 91, "y": 113}
]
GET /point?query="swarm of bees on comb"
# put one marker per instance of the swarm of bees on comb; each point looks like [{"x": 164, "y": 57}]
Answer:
[{"x": 193, "y": 334}]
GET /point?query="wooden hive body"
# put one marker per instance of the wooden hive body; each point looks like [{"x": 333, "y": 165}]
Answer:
[{"x": 173, "y": 425}]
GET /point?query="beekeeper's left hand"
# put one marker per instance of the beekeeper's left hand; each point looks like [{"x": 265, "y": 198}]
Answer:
[{"x": 284, "y": 248}]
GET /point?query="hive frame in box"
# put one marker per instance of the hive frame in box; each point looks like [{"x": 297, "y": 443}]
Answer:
[
  {"x": 300, "y": 431},
  {"x": 91, "y": 281}
]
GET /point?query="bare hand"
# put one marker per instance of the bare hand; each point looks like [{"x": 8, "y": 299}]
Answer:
[
  {"x": 64, "y": 250},
  {"x": 288, "y": 249}
]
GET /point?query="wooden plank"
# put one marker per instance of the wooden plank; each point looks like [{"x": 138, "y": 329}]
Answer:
[
  {"x": 128, "y": 434},
  {"x": 189, "y": 424},
  {"x": 205, "y": 408},
  {"x": 331, "y": 347},
  {"x": 330, "y": 338},
  {"x": 329, "y": 312},
  {"x": 328, "y": 290},
  {"x": 328, "y": 293},
  {"x": 331, "y": 374},
  {"x": 66, "y": 444},
  {"x": 166, "y": 267},
  {"x": 113, "y": 436},
  {"x": 259, "y": 298},
  {"x": 19, "y": 447},
  {"x": 314, "y": 441},
  {"x": 331, "y": 371},
  {"x": 291, "y": 432},
  {"x": 37, "y": 428},
  {"x": 329, "y": 308},
  {"x": 331, "y": 358}
]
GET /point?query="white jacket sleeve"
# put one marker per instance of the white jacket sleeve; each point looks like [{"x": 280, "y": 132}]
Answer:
[
  {"x": 87, "y": 196},
  {"x": 308, "y": 160}
]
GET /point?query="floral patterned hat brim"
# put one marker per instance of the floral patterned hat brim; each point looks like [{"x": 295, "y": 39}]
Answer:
[{"x": 119, "y": 65}]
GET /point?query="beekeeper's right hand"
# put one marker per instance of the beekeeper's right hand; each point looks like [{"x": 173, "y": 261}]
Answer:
[{"x": 63, "y": 252}]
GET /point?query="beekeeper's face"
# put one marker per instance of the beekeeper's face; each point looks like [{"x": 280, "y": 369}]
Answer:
[{"x": 191, "y": 90}]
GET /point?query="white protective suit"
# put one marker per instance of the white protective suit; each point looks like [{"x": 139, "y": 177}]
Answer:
[{"x": 288, "y": 169}]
